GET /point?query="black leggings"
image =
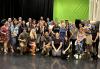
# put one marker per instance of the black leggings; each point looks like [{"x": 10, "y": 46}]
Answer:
[
  {"x": 95, "y": 46},
  {"x": 73, "y": 46}
]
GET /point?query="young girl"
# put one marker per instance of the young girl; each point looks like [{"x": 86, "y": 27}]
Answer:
[
  {"x": 79, "y": 42},
  {"x": 32, "y": 41}
]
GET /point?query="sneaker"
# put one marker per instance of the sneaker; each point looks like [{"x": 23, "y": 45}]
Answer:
[
  {"x": 76, "y": 56},
  {"x": 80, "y": 56},
  {"x": 33, "y": 54},
  {"x": 12, "y": 51},
  {"x": 98, "y": 56}
]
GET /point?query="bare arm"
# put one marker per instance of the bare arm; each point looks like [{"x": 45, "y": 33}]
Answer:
[
  {"x": 59, "y": 46},
  {"x": 67, "y": 47},
  {"x": 96, "y": 37},
  {"x": 53, "y": 46}
]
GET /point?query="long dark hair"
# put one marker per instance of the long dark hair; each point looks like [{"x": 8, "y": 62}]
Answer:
[
  {"x": 2, "y": 22},
  {"x": 77, "y": 22}
]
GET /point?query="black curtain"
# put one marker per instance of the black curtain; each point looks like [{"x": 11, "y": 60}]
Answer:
[{"x": 26, "y": 8}]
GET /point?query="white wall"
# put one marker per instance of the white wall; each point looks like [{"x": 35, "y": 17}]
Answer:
[{"x": 94, "y": 10}]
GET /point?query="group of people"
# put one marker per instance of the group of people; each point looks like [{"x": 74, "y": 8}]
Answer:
[{"x": 49, "y": 37}]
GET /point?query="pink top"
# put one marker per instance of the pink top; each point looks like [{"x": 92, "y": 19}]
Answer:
[{"x": 80, "y": 37}]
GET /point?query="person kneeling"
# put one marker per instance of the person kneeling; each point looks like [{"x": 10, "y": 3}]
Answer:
[
  {"x": 23, "y": 40},
  {"x": 66, "y": 49},
  {"x": 46, "y": 44},
  {"x": 56, "y": 45},
  {"x": 32, "y": 41}
]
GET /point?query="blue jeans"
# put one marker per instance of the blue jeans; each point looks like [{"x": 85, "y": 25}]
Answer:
[
  {"x": 79, "y": 47},
  {"x": 13, "y": 41}
]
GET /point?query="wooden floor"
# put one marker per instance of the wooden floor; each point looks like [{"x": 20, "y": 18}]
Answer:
[{"x": 41, "y": 62}]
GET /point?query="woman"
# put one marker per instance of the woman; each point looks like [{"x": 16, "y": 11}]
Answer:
[
  {"x": 66, "y": 48},
  {"x": 97, "y": 42},
  {"x": 39, "y": 32},
  {"x": 73, "y": 38},
  {"x": 5, "y": 36},
  {"x": 56, "y": 45},
  {"x": 32, "y": 41},
  {"x": 14, "y": 30}
]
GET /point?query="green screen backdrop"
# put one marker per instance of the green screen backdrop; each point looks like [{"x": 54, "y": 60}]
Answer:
[{"x": 71, "y": 9}]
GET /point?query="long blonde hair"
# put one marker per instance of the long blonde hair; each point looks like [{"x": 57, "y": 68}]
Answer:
[{"x": 33, "y": 34}]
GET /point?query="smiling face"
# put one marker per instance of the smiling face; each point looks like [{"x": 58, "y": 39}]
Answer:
[
  {"x": 47, "y": 19},
  {"x": 41, "y": 18},
  {"x": 81, "y": 30},
  {"x": 30, "y": 19},
  {"x": 80, "y": 25},
  {"x": 57, "y": 35},
  {"x": 15, "y": 21},
  {"x": 46, "y": 33},
  {"x": 20, "y": 18},
  {"x": 6, "y": 23},
  {"x": 63, "y": 25},
  {"x": 9, "y": 20}
]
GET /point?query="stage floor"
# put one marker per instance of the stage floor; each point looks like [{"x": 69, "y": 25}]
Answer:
[{"x": 40, "y": 62}]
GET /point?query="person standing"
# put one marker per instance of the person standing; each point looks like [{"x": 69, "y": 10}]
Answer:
[
  {"x": 97, "y": 41},
  {"x": 14, "y": 30},
  {"x": 4, "y": 31}
]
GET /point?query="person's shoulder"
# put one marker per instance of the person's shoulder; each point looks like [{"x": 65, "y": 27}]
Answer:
[
  {"x": 50, "y": 37},
  {"x": 53, "y": 38},
  {"x": 21, "y": 34}
]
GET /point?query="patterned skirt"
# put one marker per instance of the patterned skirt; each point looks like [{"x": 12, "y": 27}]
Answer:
[{"x": 3, "y": 38}]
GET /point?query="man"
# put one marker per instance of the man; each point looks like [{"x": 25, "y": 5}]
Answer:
[
  {"x": 29, "y": 24},
  {"x": 46, "y": 43},
  {"x": 48, "y": 21}
]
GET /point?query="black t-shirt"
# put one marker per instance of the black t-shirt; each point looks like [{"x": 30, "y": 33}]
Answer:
[
  {"x": 56, "y": 29},
  {"x": 47, "y": 39},
  {"x": 57, "y": 42},
  {"x": 66, "y": 44},
  {"x": 38, "y": 30}
]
